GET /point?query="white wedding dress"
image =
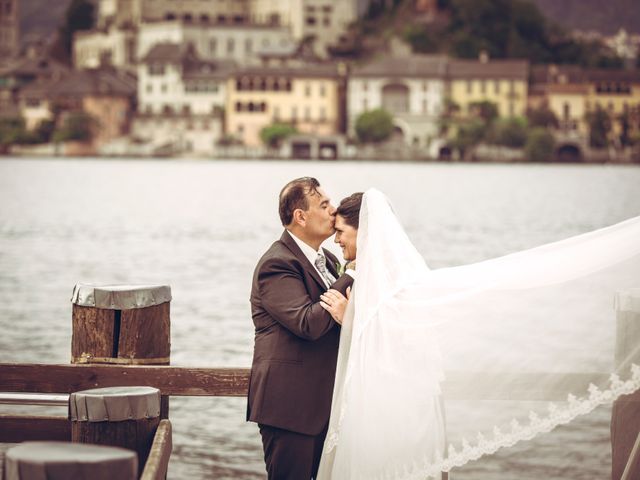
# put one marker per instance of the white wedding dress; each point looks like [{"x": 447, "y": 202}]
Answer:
[{"x": 527, "y": 326}]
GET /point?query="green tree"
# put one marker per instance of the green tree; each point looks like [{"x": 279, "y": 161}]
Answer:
[
  {"x": 80, "y": 15},
  {"x": 625, "y": 129},
  {"x": 11, "y": 130},
  {"x": 77, "y": 126},
  {"x": 599, "y": 128},
  {"x": 469, "y": 134},
  {"x": 374, "y": 126},
  {"x": 273, "y": 135},
  {"x": 540, "y": 145},
  {"x": 487, "y": 111},
  {"x": 509, "y": 132},
  {"x": 420, "y": 39},
  {"x": 542, "y": 116}
]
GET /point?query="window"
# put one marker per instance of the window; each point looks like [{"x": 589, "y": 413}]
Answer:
[
  {"x": 425, "y": 106},
  {"x": 323, "y": 114},
  {"x": 276, "y": 112},
  {"x": 149, "y": 88},
  {"x": 294, "y": 113},
  {"x": 483, "y": 87},
  {"x": 512, "y": 86},
  {"x": 322, "y": 90},
  {"x": 326, "y": 21},
  {"x": 156, "y": 69},
  {"x": 307, "y": 113},
  {"x": 365, "y": 86},
  {"x": 163, "y": 88},
  {"x": 425, "y": 86},
  {"x": 307, "y": 89},
  {"x": 469, "y": 86},
  {"x": 311, "y": 21},
  {"x": 230, "y": 45},
  {"x": 238, "y": 107},
  {"x": 496, "y": 86},
  {"x": 213, "y": 46},
  {"x": 248, "y": 45}
]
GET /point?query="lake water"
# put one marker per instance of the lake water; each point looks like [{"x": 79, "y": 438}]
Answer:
[{"x": 200, "y": 226}]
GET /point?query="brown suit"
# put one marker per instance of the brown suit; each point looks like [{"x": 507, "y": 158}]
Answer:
[{"x": 296, "y": 343}]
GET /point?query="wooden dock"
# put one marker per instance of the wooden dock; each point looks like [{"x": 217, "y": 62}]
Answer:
[{"x": 233, "y": 382}]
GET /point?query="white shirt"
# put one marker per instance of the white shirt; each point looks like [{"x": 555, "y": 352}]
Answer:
[{"x": 311, "y": 255}]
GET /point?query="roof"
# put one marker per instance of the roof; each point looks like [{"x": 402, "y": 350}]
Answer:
[
  {"x": 574, "y": 74},
  {"x": 305, "y": 71},
  {"x": 35, "y": 66},
  {"x": 194, "y": 69},
  {"x": 404, "y": 66},
  {"x": 165, "y": 52},
  {"x": 103, "y": 81},
  {"x": 489, "y": 69}
]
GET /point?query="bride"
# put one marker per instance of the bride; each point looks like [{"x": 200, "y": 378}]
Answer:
[{"x": 500, "y": 335}]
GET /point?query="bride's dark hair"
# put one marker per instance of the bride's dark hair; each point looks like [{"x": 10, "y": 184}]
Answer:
[{"x": 349, "y": 209}]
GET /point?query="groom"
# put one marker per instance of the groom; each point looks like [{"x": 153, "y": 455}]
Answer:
[{"x": 296, "y": 340}]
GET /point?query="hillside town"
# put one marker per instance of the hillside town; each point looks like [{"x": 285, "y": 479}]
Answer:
[{"x": 285, "y": 79}]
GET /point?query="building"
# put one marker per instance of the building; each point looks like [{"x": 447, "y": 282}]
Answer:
[
  {"x": 412, "y": 89},
  {"x": 306, "y": 97},
  {"x": 572, "y": 93},
  {"x": 37, "y": 70},
  {"x": 113, "y": 47},
  {"x": 9, "y": 29},
  {"x": 502, "y": 82},
  {"x": 181, "y": 98},
  {"x": 240, "y": 43},
  {"x": 326, "y": 21}
]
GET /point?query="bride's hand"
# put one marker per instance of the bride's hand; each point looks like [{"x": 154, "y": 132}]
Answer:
[{"x": 335, "y": 303}]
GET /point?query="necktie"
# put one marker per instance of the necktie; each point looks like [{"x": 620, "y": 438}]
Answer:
[{"x": 321, "y": 263}]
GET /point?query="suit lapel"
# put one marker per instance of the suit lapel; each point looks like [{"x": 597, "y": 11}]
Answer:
[
  {"x": 291, "y": 245},
  {"x": 331, "y": 263}
]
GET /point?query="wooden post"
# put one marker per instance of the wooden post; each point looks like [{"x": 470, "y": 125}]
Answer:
[
  {"x": 122, "y": 325},
  {"x": 117, "y": 416},
  {"x": 56, "y": 460},
  {"x": 625, "y": 416}
]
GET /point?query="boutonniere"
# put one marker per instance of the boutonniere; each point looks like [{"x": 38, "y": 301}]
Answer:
[{"x": 339, "y": 268}]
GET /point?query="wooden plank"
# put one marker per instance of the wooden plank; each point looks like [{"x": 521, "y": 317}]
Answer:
[
  {"x": 93, "y": 331},
  {"x": 22, "y": 428},
  {"x": 41, "y": 378},
  {"x": 145, "y": 333},
  {"x": 233, "y": 382},
  {"x": 158, "y": 461}
]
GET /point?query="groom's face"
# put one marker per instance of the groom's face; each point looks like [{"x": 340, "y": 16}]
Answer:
[{"x": 321, "y": 215}]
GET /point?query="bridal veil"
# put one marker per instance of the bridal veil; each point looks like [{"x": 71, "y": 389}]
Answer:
[{"x": 528, "y": 338}]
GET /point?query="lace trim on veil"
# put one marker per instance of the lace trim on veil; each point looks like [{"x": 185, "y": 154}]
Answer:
[{"x": 467, "y": 452}]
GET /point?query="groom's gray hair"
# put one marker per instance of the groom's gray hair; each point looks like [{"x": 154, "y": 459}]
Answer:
[{"x": 294, "y": 195}]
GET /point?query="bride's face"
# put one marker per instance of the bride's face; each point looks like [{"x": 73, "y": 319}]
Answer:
[{"x": 346, "y": 237}]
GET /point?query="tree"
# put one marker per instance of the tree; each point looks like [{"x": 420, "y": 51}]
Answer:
[
  {"x": 420, "y": 39},
  {"x": 12, "y": 131},
  {"x": 374, "y": 126},
  {"x": 79, "y": 16},
  {"x": 540, "y": 145},
  {"x": 599, "y": 128},
  {"x": 274, "y": 134},
  {"x": 509, "y": 132},
  {"x": 542, "y": 116},
  {"x": 469, "y": 134},
  {"x": 487, "y": 111},
  {"x": 77, "y": 126},
  {"x": 625, "y": 129}
]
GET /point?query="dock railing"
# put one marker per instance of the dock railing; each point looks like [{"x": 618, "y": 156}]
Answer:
[{"x": 50, "y": 384}]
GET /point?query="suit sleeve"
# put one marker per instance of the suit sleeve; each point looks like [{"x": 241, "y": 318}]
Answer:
[{"x": 285, "y": 297}]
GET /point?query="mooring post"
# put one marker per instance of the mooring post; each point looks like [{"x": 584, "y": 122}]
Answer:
[
  {"x": 65, "y": 460},
  {"x": 625, "y": 416},
  {"x": 122, "y": 324},
  {"x": 116, "y": 416}
]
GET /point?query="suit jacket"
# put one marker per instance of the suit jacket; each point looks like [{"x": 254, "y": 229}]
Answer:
[{"x": 296, "y": 341}]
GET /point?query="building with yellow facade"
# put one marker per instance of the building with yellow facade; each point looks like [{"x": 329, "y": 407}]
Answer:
[
  {"x": 572, "y": 93},
  {"x": 502, "y": 82},
  {"x": 307, "y": 97}
]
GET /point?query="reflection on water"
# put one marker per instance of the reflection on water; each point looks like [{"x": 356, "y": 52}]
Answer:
[{"x": 201, "y": 226}]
